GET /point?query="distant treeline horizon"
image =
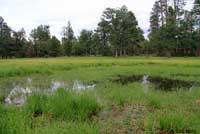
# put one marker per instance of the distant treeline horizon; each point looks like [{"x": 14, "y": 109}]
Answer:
[{"x": 173, "y": 31}]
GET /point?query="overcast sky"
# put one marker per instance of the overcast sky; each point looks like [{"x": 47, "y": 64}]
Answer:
[{"x": 83, "y": 14}]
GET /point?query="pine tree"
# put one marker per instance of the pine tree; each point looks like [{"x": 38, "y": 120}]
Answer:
[
  {"x": 123, "y": 29},
  {"x": 67, "y": 39},
  {"x": 196, "y": 15},
  {"x": 103, "y": 32},
  {"x": 40, "y": 37}
]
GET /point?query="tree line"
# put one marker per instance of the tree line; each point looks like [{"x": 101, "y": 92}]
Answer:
[{"x": 174, "y": 31}]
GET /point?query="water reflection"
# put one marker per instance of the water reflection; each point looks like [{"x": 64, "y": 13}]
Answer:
[
  {"x": 78, "y": 85},
  {"x": 145, "y": 83},
  {"x": 20, "y": 90}
]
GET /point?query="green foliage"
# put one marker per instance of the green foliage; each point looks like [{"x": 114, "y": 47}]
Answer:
[
  {"x": 172, "y": 30},
  {"x": 85, "y": 40},
  {"x": 68, "y": 39},
  {"x": 103, "y": 37},
  {"x": 54, "y": 48},
  {"x": 123, "y": 29}
]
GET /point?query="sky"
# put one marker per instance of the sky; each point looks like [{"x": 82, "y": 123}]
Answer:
[{"x": 83, "y": 14}]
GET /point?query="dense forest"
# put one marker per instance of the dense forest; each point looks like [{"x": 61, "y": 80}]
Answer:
[{"x": 174, "y": 31}]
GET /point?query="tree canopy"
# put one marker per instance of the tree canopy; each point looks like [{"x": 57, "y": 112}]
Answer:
[{"x": 174, "y": 31}]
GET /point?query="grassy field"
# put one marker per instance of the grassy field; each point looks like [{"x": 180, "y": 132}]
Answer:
[{"x": 143, "y": 95}]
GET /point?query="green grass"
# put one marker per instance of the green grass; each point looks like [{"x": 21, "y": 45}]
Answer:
[
  {"x": 66, "y": 109},
  {"x": 67, "y": 105},
  {"x": 173, "y": 123},
  {"x": 110, "y": 107},
  {"x": 12, "y": 121},
  {"x": 62, "y": 127}
]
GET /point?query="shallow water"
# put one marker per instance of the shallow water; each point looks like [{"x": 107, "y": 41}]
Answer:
[
  {"x": 145, "y": 83},
  {"x": 17, "y": 91},
  {"x": 160, "y": 83}
]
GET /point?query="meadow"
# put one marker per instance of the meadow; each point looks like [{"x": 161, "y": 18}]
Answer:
[{"x": 100, "y": 95}]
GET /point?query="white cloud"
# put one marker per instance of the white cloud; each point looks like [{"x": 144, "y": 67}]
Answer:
[{"x": 82, "y": 13}]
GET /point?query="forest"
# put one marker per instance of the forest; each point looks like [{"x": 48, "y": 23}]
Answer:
[{"x": 174, "y": 31}]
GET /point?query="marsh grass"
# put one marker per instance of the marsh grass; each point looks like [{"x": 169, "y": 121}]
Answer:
[
  {"x": 63, "y": 127},
  {"x": 169, "y": 123},
  {"x": 154, "y": 103},
  {"x": 136, "y": 65},
  {"x": 67, "y": 105},
  {"x": 12, "y": 121},
  {"x": 70, "y": 112},
  {"x": 64, "y": 107},
  {"x": 173, "y": 123},
  {"x": 1, "y": 99}
]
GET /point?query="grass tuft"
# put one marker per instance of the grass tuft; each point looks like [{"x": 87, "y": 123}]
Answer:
[
  {"x": 12, "y": 121},
  {"x": 63, "y": 104},
  {"x": 173, "y": 123}
]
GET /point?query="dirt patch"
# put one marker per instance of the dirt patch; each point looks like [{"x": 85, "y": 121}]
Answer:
[
  {"x": 122, "y": 120},
  {"x": 160, "y": 83}
]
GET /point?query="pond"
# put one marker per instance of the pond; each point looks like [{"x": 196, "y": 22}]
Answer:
[{"x": 160, "y": 83}]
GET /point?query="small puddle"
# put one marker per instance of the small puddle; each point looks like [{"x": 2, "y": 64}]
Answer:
[
  {"x": 164, "y": 84},
  {"x": 19, "y": 92}
]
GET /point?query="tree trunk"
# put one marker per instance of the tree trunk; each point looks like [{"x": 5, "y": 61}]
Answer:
[
  {"x": 124, "y": 52},
  {"x": 121, "y": 53},
  {"x": 198, "y": 49},
  {"x": 116, "y": 53}
]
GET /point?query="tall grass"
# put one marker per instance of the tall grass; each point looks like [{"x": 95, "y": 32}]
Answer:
[
  {"x": 1, "y": 99},
  {"x": 12, "y": 121},
  {"x": 155, "y": 66},
  {"x": 63, "y": 127},
  {"x": 70, "y": 112},
  {"x": 169, "y": 123},
  {"x": 63, "y": 104},
  {"x": 173, "y": 123}
]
